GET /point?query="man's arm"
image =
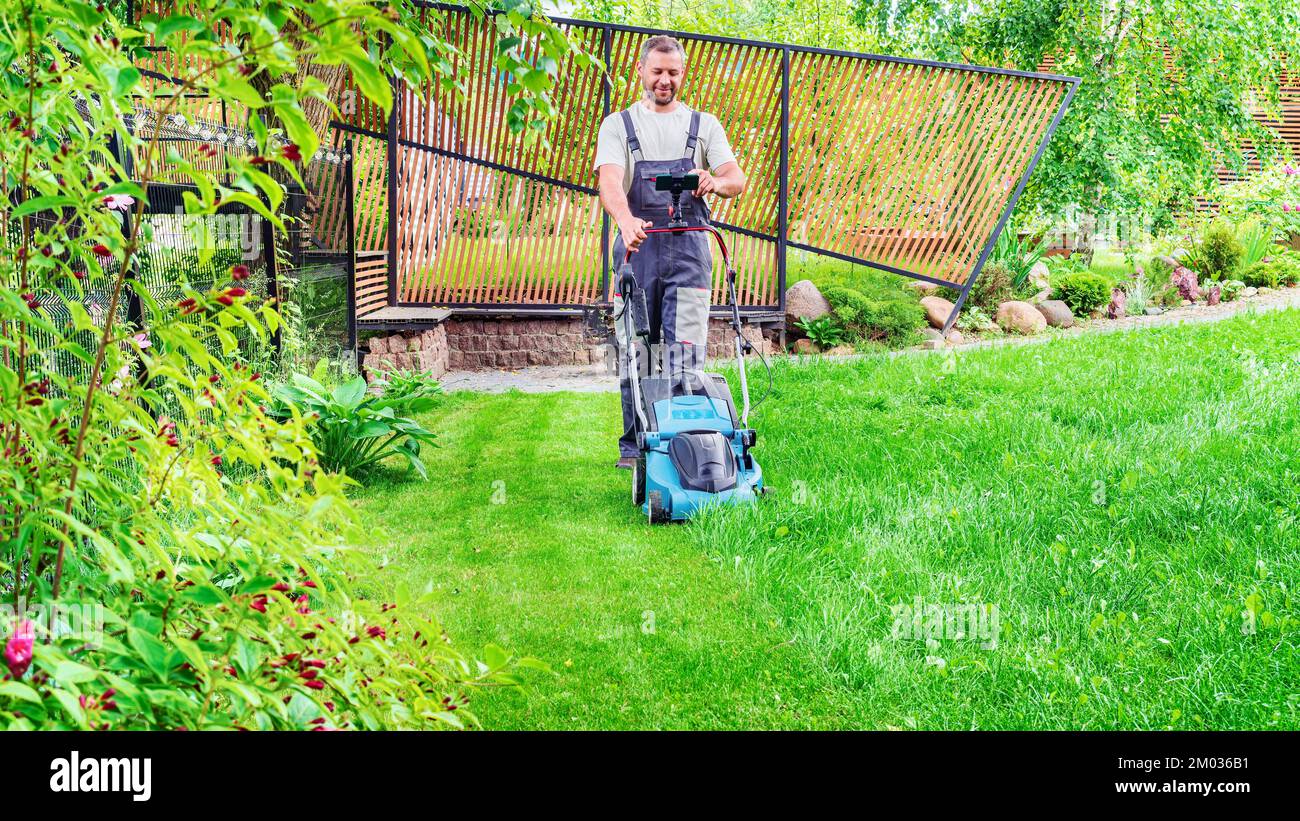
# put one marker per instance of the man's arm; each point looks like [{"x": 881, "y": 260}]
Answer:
[{"x": 614, "y": 202}]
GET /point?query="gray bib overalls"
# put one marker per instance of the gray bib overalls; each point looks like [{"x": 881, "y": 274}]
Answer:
[{"x": 675, "y": 271}]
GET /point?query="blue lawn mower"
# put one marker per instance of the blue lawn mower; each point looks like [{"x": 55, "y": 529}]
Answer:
[{"x": 694, "y": 449}]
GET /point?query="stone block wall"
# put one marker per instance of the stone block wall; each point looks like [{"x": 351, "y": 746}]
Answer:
[
  {"x": 407, "y": 351},
  {"x": 480, "y": 344},
  {"x": 510, "y": 343}
]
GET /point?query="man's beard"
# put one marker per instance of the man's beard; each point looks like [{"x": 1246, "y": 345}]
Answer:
[{"x": 653, "y": 92}]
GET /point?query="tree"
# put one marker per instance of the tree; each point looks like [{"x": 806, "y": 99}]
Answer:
[{"x": 1168, "y": 93}]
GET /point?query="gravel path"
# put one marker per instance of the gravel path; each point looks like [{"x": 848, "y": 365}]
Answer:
[{"x": 596, "y": 379}]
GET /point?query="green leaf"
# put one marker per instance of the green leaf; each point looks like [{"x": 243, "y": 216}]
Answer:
[
  {"x": 42, "y": 204},
  {"x": 18, "y": 690},
  {"x": 153, "y": 651},
  {"x": 369, "y": 79}
]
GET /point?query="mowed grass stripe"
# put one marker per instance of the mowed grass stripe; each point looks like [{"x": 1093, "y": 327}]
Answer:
[{"x": 529, "y": 539}]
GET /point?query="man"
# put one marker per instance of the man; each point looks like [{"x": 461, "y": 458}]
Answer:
[{"x": 660, "y": 135}]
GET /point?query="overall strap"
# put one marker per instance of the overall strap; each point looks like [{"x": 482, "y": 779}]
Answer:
[
  {"x": 693, "y": 136},
  {"x": 633, "y": 143}
]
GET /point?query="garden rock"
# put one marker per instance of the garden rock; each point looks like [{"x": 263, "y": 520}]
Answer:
[
  {"x": 1042, "y": 296},
  {"x": 1215, "y": 292},
  {"x": 1040, "y": 275},
  {"x": 1249, "y": 290},
  {"x": 932, "y": 333},
  {"x": 1152, "y": 310},
  {"x": 924, "y": 288},
  {"x": 804, "y": 302},
  {"x": 931, "y": 344},
  {"x": 1056, "y": 312},
  {"x": 1020, "y": 317},
  {"x": 1118, "y": 306},
  {"x": 937, "y": 310},
  {"x": 804, "y": 346},
  {"x": 1185, "y": 280},
  {"x": 955, "y": 338},
  {"x": 840, "y": 350}
]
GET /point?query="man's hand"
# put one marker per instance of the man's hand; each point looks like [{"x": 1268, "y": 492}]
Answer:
[
  {"x": 633, "y": 231},
  {"x": 729, "y": 181},
  {"x": 707, "y": 184}
]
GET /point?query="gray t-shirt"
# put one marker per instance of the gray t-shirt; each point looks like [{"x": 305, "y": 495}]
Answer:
[{"x": 663, "y": 137}]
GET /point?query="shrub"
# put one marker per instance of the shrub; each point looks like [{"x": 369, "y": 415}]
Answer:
[
  {"x": 353, "y": 429},
  {"x": 991, "y": 288},
  {"x": 1280, "y": 270},
  {"x": 1219, "y": 253},
  {"x": 1232, "y": 289},
  {"x": 975, "y": 319},
  {"x": 146, "y": 485},
  {"x": 888, "y": 317},
  {"x": 824, "y": 331},
  {"x": 1016, "y": 256},
  {"x": 1083, "y": 291}
]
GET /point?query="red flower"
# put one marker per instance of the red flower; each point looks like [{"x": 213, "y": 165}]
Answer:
[
  {"x": 302, "y": 601},
  {"x": 239, "y": 272},
  {"x": 316, "y": 684},
  {"x": 259, "y": 160},
  {"x": 18, "y": 650},
  {"x": 236, "y": 292},
  {"x": 258, "y": 604},
  {"x": 376, "y": 632},
  {"x": 216, "y": 460},
  {"x": 291, "y": 152},
  {"x": 309, "y": 674},
  {"x": 281, "y": 587}
]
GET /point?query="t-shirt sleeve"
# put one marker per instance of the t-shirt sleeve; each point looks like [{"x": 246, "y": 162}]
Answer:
[
  {"x": 717, "y": 148},
  {"x": 611, "y": 144}
]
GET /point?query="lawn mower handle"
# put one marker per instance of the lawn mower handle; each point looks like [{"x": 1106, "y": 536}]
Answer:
[{"x": 743, "y": 345}]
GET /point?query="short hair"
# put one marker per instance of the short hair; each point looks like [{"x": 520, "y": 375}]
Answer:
[{"x": 664, "y": 43}]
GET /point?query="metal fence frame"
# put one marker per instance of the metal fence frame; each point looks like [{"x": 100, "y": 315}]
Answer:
[{"x": 782, "y": 241}]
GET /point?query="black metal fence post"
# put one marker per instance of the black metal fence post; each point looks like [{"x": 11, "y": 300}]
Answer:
[
  {"x": 606, "y": 38},
  {"x": 351, "y": 233},
  {"x": 783, "y": 185},
  {"x": 272, "y": 282},
  {"x": 392, "y": 194}
]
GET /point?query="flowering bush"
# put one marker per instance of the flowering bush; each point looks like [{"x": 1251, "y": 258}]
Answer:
[
  {"x": 1271, "y": 197},
  {"x": 144, "y": 482}
]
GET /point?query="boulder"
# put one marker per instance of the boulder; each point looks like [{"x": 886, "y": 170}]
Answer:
[
  {"x": 1118, "y": 306},
  {"x": 932, "y": 333},
  {"x": 1153, "y": 310},
  {"x": 840, "y": 350},
  {"x": 1056, "y": 312},
  {"x": 1249, "y": 290},
  {"x": 1020, "y": 317},
  {"x": 804, "y": 346},
  {"x": 937, "y": 310},
  {"x": 804, "y": 302},
  {"x": 1041, "y": 296},
  {"x": 1185, "y": 280},
  {"x": 1040, "y": 275},
  {"x": 1213, "y": 296},
  {"x": 955, "y": 337},
  {"x": 924, "y": 288}
]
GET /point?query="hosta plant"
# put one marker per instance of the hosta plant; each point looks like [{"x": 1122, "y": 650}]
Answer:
[
  {"x": 353, "y": 429},
  {"x": 824, "y": 331}
]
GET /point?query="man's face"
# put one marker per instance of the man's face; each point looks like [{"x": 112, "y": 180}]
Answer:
[{"x": 661, "y": 76}]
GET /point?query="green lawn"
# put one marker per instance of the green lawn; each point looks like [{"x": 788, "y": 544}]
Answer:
[{"x": 1126, "y": 502}]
